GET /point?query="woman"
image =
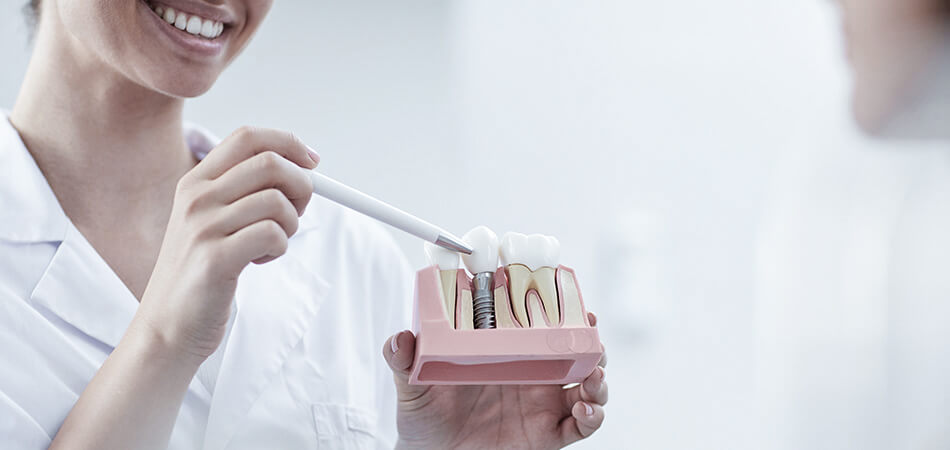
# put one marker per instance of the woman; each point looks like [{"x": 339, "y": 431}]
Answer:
[
  {"x": 108, "y": 200},
  {"x": 870, "y": 369}
]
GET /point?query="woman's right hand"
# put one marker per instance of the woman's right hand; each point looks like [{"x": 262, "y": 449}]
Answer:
[{"x": 238, "y": 205}]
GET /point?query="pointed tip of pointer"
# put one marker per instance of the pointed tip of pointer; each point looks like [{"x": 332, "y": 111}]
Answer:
[{"x": 453, "y": 243}]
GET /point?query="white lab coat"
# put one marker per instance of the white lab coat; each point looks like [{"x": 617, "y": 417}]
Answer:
[
  {"x": 854, "y": 300},
  {"x": 302, "y": 365}
]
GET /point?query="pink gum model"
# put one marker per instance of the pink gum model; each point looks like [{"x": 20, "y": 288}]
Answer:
[{"x": 445, "y": 355}]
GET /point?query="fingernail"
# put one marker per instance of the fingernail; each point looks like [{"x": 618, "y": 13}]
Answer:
[
  {"x": 589, "y": 410},
  {"x": 392, "y": 342},
  {"x": 603, "y": 373},
  {"x": 313, "y": 155}
]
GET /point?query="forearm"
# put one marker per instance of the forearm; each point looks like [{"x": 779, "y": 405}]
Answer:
[{"x": 134, "y": 398}]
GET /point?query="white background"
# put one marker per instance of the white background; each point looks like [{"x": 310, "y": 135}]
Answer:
[{"x": 649, "y": 137}]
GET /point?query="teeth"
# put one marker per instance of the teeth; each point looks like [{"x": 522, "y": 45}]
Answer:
[
  {"x": 208, "y": 28},
  {"x": 190, "y": 23},
  {"x": 484, "y": 257},
  {"x": 181, "y": 22},
  {"x": 531, "y": 263},
  {"x": 448, "y": 262},
  {"x": 193, "y": 26},
  {"x": 573, "y": 313},
  {"x": 169, "y": 15},
  {"x": 534, "y": 251}
]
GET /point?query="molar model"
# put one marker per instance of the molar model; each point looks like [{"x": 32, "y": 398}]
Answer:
[{"x": 538, "y": 333}]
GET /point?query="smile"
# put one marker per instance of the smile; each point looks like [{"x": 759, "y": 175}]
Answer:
[{"x": 189, "y": 23}]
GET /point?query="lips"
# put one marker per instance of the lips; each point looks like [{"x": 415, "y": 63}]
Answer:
[{"x": 194, "y": 30}]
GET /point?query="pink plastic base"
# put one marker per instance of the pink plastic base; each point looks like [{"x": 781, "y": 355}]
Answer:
[{"x": 445, "y": 355}]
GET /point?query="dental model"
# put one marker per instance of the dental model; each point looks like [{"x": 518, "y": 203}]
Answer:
[
  {"x": 448, "y": 263},
  {"x": 521, "y": 323},
  {"x": 531, "y": 263},
  {"x": 482, "y": 263}
]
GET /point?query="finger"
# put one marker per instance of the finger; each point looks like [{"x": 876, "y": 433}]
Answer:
[
  {"x": 246, "y": 142},
  {"x": 399, "y": 351},
  {"x": 592, "y": 318},
  {"x": 258, "y": 242},
  {"x": 603, "y": 359},
  {"x": 267, "y": 204},
  {"x": 264, "y": 171},
  {"x": 593, "y": 389},
  {"x": 585, "y": 419}
]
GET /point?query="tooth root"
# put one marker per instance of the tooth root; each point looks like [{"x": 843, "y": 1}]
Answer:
[
  {"x": 503, "y": 317},
  {"x": 448, "y": 278},
  {"x": 519, "y": 280},
  {"x": 573, "y": 311},
  {"x": 466, "y": 317},
  {"x": 535, "y": 311},
  {"x": 543, "y": 283}
]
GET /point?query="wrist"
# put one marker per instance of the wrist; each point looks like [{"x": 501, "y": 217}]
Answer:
[{"x": 161, "y": 348}]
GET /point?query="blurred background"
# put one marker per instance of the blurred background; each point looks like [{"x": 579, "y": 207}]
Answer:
[{"x": 682, "y": 151}]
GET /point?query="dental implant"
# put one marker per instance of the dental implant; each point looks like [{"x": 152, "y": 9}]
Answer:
[{"x": 482, "y": 263}]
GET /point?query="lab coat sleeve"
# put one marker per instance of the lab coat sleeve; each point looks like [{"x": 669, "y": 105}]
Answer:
[{"x": 396, "y": 294}]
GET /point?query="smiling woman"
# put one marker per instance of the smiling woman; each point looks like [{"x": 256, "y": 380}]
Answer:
[{"x": 168, "y": 289}]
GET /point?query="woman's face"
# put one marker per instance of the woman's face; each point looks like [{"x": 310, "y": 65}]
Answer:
[
  {"x": 131, "y": 37},
  {"x": 889, "y": 43}
]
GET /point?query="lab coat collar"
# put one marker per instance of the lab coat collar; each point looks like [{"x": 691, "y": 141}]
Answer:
[
  {"x": 78, "y": 286},
  {"x": 30, "y": 211}
]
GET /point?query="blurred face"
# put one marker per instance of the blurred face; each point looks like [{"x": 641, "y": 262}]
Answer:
[
  {"x": 176, "y": 47},
  {"x": 890, "y": 43}
]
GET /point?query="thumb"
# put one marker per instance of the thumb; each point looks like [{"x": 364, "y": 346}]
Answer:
[{"x": 399, "y": 351}]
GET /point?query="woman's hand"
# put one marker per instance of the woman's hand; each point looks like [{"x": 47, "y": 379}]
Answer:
[
  {"x": 239, "y": 205},
  {"x": 511, "y": 417}
]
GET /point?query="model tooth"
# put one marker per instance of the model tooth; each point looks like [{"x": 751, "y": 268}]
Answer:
[
  {"x": 573, "y": 313},
  {"x": 531, "y": 263},
  {"x": 484, "y": 257},
  {"x": 503, "y": 315},
  {"x": 448, "y": 263}
]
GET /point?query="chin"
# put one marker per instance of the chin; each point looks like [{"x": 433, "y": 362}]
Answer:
[
  {"x": 870, "y": 120},
  {"x": 182, "y": 87}
]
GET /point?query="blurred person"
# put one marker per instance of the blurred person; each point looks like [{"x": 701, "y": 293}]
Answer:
[
  {"x": 854, "y": 283},
  {"x": 130, "y": 313}
]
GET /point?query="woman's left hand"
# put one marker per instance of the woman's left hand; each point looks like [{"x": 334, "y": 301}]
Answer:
[{"x": 496, "y": 416}]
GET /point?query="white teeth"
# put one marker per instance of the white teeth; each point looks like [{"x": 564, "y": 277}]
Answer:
[
  {"x": 484, "y": 257},
  {"x": 531, "y": 263},
  {"x": 169, "y": 15},
  {"x": 448, "y": 262},
  {"x": 192, "y": 24},
  {"x": 181, "y": 22},
  {"x": 207, "y": 28},
  {"x": 444, "y": 258},
  {"x": 534, "y": 251}
]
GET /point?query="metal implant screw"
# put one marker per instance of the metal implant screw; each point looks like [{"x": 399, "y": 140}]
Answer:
[{"x": 483, "y": 300}]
